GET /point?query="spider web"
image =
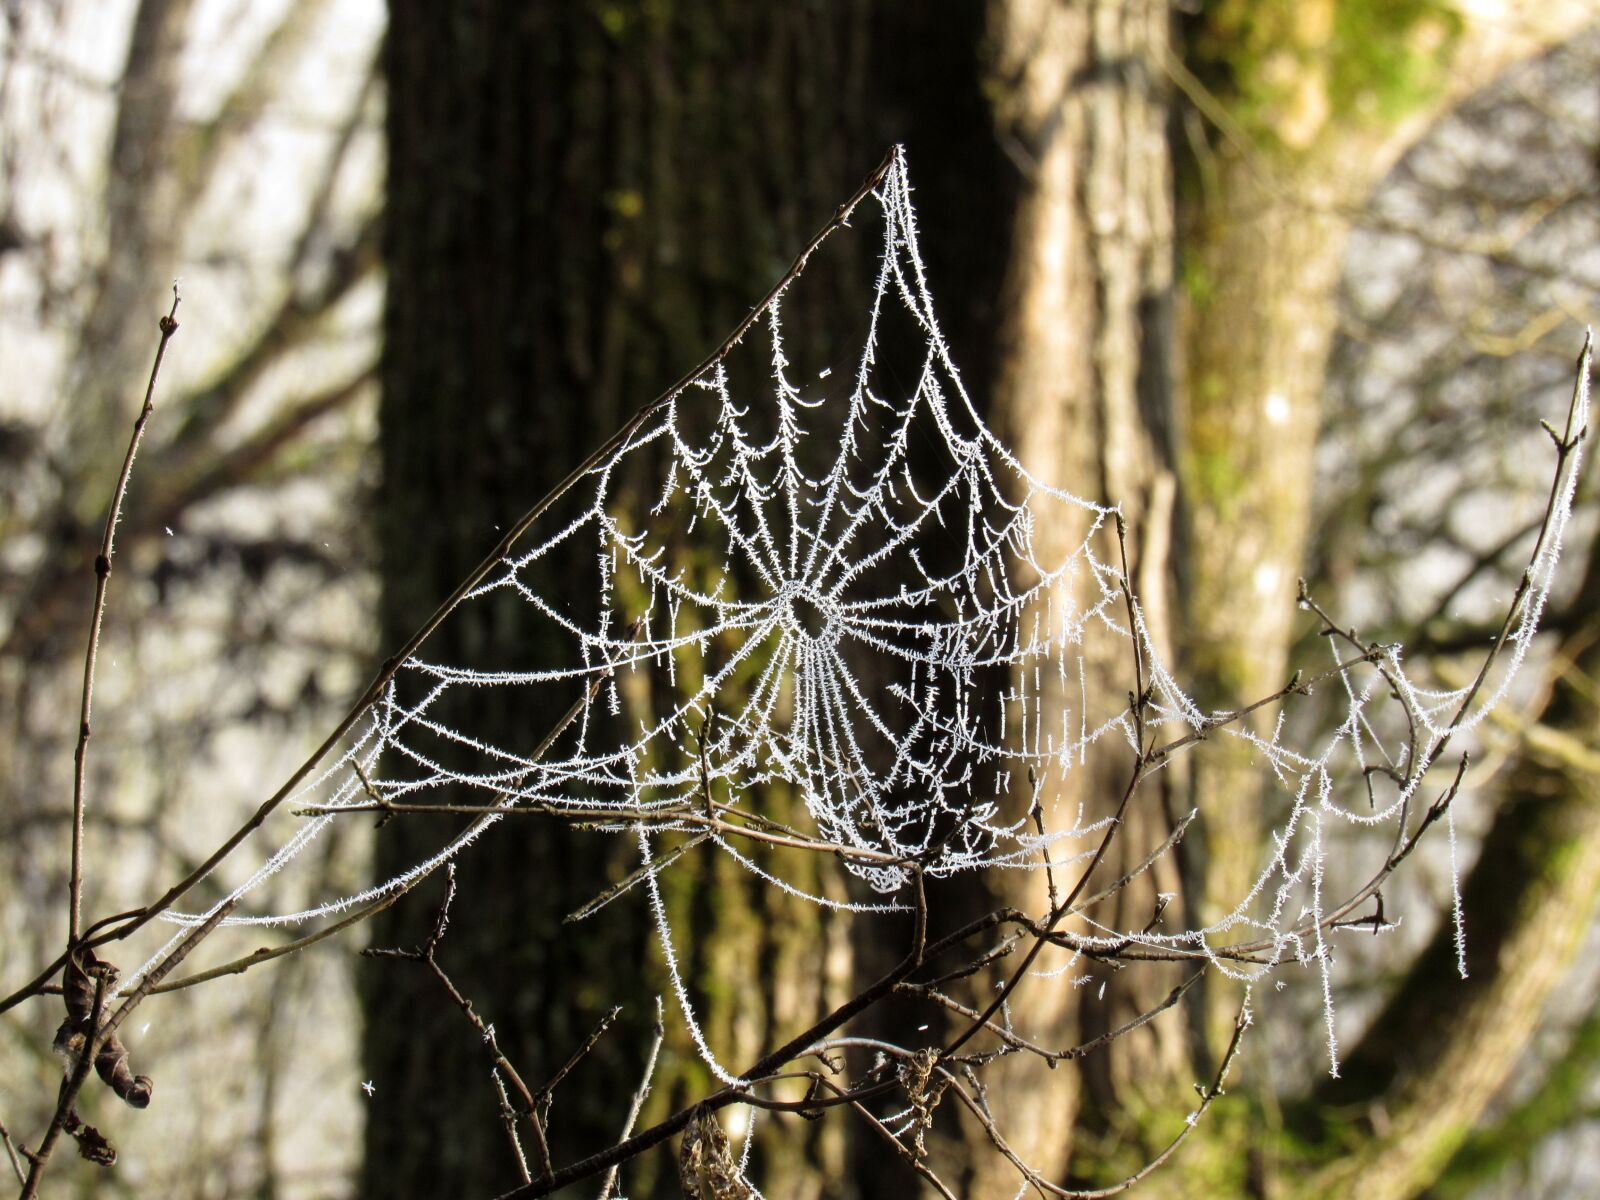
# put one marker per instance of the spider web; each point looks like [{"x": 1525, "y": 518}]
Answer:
[
  {"x": 869, "y": 619},
  {"x": 843, "y": 585}
]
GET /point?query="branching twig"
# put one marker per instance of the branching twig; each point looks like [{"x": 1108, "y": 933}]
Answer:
[
  {"x": 504, "y": 1073},
  {"x": 66, "y": 1105}
]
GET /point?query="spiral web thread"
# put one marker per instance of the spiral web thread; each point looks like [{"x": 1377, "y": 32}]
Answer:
[{"x": 889, "y": 636}]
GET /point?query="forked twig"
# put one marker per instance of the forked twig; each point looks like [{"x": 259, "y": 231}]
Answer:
[{"x": 71, "y": 1086}]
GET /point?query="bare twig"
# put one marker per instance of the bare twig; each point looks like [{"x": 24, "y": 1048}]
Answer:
[
  {"x": 640, "y": 1095},
  {"x": 265, "y": 954},
  {"x": 761, "y": 1070},
  {"x": 657, "y": 864},
  {"x": 102, "y": 579},
  {"x": 11, "y": 1153},
  {"x": 545, "y": 1096},
  {"x": 504, "y": 1073},
  {"x": 66, "y": 1104}
]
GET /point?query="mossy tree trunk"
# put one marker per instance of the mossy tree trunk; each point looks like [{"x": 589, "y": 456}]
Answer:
[
  {"x": 1309, "y": 105},
  {"x": 1298, "y": 110}
]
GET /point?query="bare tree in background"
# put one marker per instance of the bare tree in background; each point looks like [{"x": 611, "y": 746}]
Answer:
[
  {"x": 132, "y": 139},
  {"x": 1477, "y": 257}
]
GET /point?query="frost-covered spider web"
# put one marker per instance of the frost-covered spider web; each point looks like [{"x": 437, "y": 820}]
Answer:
[
  {"x": 817, "y": 573},
  {"x": 834, "y": 585}
]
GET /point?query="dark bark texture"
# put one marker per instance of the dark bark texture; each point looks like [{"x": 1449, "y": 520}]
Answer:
[{"x": 583, "y": 199}]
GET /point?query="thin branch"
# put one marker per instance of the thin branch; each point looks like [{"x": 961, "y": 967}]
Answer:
[
  {"x": 266, "y": 954},
  {"x": 1208, "y": 1095},
  {"x": 11, "y": 1153},
  {"x": 297, "y": 318},
  {"x": 657, "y": 864},
  {"x": 240, "y": 463},
  {"x": 546, "y": 1094},
  {"x": 1566, "y": 444},
  {"x": 1015, "y": 1041},
  {"x": 500, "y": 1066},
  {"x": 102, "y": 579},
  {"x": 1057, "y": 913},
  {"x": 273, "y": 61},
  {"x": 67, "y": 1103},
  {"x": 883, "y": 1132},
  {"x": 641, "y": 1094}
]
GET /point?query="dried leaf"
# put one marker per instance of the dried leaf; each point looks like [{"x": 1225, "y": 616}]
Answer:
[
  {"x": 111, "y": 1063},
  {"x": 706, "y": 1168},
  {"x": 924, "y": 1092},
  {"x": 92, "y": 1144}
]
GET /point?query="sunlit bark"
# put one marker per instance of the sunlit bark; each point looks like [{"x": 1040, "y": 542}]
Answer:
[{"x": 1083, "y": 394}]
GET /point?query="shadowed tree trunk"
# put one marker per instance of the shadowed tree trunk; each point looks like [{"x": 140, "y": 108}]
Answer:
[
  {"x": 142, "y": 231},
  {"x": 583, "y": 200}
]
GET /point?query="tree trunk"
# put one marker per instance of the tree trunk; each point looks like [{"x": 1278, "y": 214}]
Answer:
[
  {"x": 1306, "y": 128},
  {"x": 583, "y": 200},
  {"x": 1088, "y": 384},
  {"x": 1083, "y": 394},
  {"x": 1307, "y": 121},
  {"x": 142, "y": 233}
]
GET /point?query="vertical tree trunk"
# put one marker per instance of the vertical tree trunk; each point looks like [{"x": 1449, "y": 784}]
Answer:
[
  {"x": 1258, "y": 322},
  {"x": 1083, "y": 395},
  {"x": 583, "y": 199},
  {"x": 1087, "y": 384},
  {"x": 1306, "y": 122},
  {"x": 1307, "y": 119}
]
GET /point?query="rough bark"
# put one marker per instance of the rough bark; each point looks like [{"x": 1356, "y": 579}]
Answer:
[
  {"x": 583, "y": 199},
  {"x": 508, "y": 121},
  {"x": 1082, "y": 394}
]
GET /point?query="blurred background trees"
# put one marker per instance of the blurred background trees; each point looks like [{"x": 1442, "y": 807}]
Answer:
[
  {"x": 237, "y": 148},
  {"x": 1291, "y": 282}
]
